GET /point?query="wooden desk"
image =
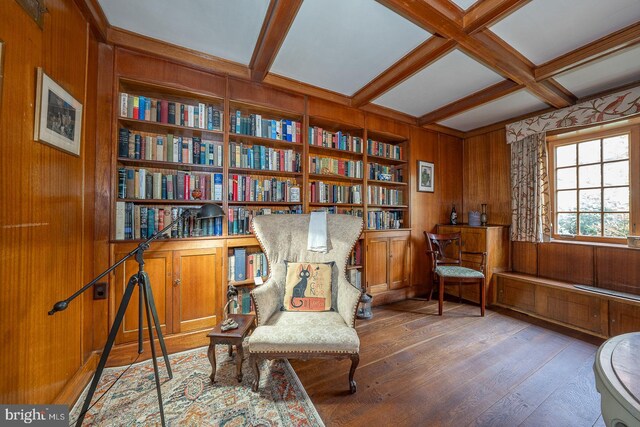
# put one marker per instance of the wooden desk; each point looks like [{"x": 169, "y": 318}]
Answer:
[{"x": 246, "y": 323}]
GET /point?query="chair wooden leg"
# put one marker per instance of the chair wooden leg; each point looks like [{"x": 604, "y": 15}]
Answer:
[
  {"x": 482, "y": 296},
  {"x": 440, "y": 296},
  {"x": 355, "y": 359},
  {"x": 254, "y": 363}
]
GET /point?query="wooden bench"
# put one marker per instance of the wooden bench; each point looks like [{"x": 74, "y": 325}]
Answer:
[{"x": 562, "y": 303}]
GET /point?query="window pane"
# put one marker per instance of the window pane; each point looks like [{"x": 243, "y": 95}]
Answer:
[
  {"x": 616, "y": 199},
  {"x": 616, "y": 225},
  {"x": 566, "y": 201},
  {"x": 591, "y": 200},
  {"x": 566, "y": 155},
  {"x": 566, "y": 178},
  {"x": 567, "y": 224},
  {"x": 589, "y": 176},
  {"x": 616, "y": 173},
  {"x": 616, "y": 147},
  {"x": 589, "y": 152},
  {"x": 590, "y": 225}
]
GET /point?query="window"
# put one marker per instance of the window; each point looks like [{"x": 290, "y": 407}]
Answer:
[{"x": 594, "y": 184}]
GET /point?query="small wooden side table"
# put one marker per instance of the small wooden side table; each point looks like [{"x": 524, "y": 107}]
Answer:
[{"x": 246, "y": 323}]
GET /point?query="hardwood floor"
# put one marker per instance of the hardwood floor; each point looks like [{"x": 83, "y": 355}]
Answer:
[{"x": 420, "y": 369}]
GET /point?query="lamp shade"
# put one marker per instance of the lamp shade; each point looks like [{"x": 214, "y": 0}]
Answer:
[{"x": 210, "y": 210}]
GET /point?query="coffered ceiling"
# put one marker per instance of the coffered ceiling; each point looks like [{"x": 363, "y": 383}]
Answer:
[{"x": 462, "y": 64}]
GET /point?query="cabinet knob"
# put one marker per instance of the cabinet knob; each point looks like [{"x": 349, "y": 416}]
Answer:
[{"x": 177, "y": 282}]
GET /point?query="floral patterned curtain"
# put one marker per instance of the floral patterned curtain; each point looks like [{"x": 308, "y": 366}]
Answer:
[{"x": 530, "y": 190}]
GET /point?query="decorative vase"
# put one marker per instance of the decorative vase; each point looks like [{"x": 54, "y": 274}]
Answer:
[
  {"x": 453, "y": 218},
  {"x": 483, "y": 215}
]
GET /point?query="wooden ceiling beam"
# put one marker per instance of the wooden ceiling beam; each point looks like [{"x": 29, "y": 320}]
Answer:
[
  {"x": 475, "y": 99},
  {"x": 278, "y": 20},
  {"x": 600, "y": 48},
  {"x": 423, "y": 55},
  {"x": 484, "y": 13},
  {"x": 93, "y": 13}
]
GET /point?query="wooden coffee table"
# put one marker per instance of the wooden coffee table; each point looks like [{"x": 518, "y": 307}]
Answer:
[{"x": 246, "y": 323}]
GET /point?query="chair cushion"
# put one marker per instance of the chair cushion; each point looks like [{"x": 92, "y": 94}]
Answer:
[
  {"x": 304, "y": 332},
  {"x": 455, "y": 271}
]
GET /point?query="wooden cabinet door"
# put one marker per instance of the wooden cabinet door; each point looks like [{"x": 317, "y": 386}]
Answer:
[
  {"x": 516, "y": 294},
  {"x": 158, "y": 267},
  {"x": 623, "y": 318},
  {"x": 197, "y": 287},
  {"x": 377, "y": 265},
  {"x": 473, "y": 239},
  {"x": 399, "y": 262},
  {"x": 584, "y": 311}
]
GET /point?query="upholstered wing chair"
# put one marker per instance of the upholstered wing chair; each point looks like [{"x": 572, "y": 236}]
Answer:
[{"x": 303, "y": 335}]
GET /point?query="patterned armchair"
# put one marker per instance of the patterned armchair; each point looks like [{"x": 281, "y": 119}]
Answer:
[{"x": 304, "y": 335}]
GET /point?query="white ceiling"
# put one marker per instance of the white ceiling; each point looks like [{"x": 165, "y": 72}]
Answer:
[
  {"x": 341, "y": 45},
  {"x": 225, "y": 28},
  {"x": 544, "y": 29},
  {"x": 512, "y": 105},
  {"x": 612, "y": 71},
  {"x": 464, "y": 4},
  {"x": 452, "y": 77}
]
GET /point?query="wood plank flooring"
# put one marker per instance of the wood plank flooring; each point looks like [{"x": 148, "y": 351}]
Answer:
[{"x": 420, "y": 369}]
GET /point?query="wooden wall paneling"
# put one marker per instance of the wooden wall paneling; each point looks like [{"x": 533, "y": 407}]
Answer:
[
  {"x": 256, "y": 93},
  {"x": 320, "y": 108},
  {"x": 617, "y": 269},
  {"x": 41, "y": 231},
  {"x": 524, "y": 257},
  {"x": 159, "y": 71},
  {"x": 385, "y": 125},
  {"x": 449, "y": 175},
  {"x": 580, "y": 310},
  {"x": 516, "y": 294},
  {"x": 476, "y": 172},
  {"x": 623, "y": 317},
  {"x": 573, "y": 263}
]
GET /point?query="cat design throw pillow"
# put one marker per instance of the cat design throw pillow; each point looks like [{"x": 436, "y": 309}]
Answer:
[{"x": 308, "y": 286}]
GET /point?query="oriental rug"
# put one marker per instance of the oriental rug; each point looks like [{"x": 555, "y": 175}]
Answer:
[{"x": 190, "y": 399}]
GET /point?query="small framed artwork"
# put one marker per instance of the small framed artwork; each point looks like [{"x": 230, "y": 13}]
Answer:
[
  {"x": 58, "y": 118},
  {"x": 426, "y": 176}
]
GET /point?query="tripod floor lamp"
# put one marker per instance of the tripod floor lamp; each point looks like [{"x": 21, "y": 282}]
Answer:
[{"x": 140, "y": 279}]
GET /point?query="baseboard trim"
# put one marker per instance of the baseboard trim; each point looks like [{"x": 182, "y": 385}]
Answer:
[{"x": 73, "y": 388}]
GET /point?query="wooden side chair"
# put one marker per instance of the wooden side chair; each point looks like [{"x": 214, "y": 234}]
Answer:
[{"x": 446, "y": 252}]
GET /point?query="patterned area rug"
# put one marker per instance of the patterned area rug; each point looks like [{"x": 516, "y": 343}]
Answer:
[{"x": 191, "y": 400}]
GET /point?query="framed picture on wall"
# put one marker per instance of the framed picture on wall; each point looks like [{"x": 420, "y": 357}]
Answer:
[
  {"x": 426, "y": 176},
  {"x": 58, "y": 118}
]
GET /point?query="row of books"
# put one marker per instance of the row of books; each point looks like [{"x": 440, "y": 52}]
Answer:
[
  {"x": 355, "y": 277},
  {"x": 200, "y": 115},
  {"x": 135, "y": 221},
  {"x": 338, "y": 140},
  {"x": 385, "y": 172},
  {"x": 239, "y": 218},
  {"x": 322, "y": 192},
  {"x": 384, "y": 196},
  {"x": 255, "y": 125},
  {"x": 245, "y": 266},
  {"x": 263, "y": 158},
  {"x": 359, "y": 212},
  {"x": 249, "y": 188},
  {"x": 355, "y": 258},
  {"x": 324, "y": 165},
  {"x": 169, "y": 148},
  {"x": 143, "y": 184},
  {"x": 384, "y": 220},
  {"x": 244, "y": 303},
  {"x": 383, "y": 149}
]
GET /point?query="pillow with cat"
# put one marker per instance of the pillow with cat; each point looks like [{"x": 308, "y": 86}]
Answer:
[{"x": 308, "y": 286}]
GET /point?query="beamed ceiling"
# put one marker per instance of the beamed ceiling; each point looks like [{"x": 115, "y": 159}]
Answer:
[{"x": 461, "y": 64}]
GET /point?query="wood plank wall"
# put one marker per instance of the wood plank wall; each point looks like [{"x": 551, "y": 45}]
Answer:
[{"x": 46, "y": 224}]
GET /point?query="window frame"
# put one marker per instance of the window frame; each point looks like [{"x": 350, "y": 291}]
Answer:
[{"x": 589, "y": 134}]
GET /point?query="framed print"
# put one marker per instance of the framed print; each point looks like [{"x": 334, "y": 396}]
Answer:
[
  {"x": 426, "y": 176},
  {"x": 58, "y": 118}
]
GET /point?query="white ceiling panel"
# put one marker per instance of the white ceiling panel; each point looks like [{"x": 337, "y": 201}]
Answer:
[
  {"x": 224, "y": 28},
  {"x": 513, "y": 105},
  {"x": 609, "y": 72},
  {"x": 464, "y": 4},
  {"x": 545, "y": 29},
  {"x": 341, "y": 45},
  {"x": 451, "y": 77}
]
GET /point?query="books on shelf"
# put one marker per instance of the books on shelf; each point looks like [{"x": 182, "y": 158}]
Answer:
[
  {"x": 263, "y": 158},
  {"x": 195, "y": 114},
  {"x": 249, "y": 188},
  {"x": 135, "y": 221},
  {"x": 322, "y": 192},
  {"x": 256, "y": 125},
  {"x": 359, "y": 212},
  {"x": 245, "y": 303},
  {"x": 239, "y": 217},
  {"x": 385, "y": 173},
  {"x": 330, "y": 165},
  {"x": 355, "y": 258},
  {"x": 148, "y": 184},
  {"x": 384, "y": 220},
  {"x": 378, "y": 195},
  {"x": 355, "y": 277},
  {"x": 337, "y": 140},
  {"x": 383, "y": 149},
  {"x": 245, "y": 265},
  {"x": 169, "y": 148}
]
